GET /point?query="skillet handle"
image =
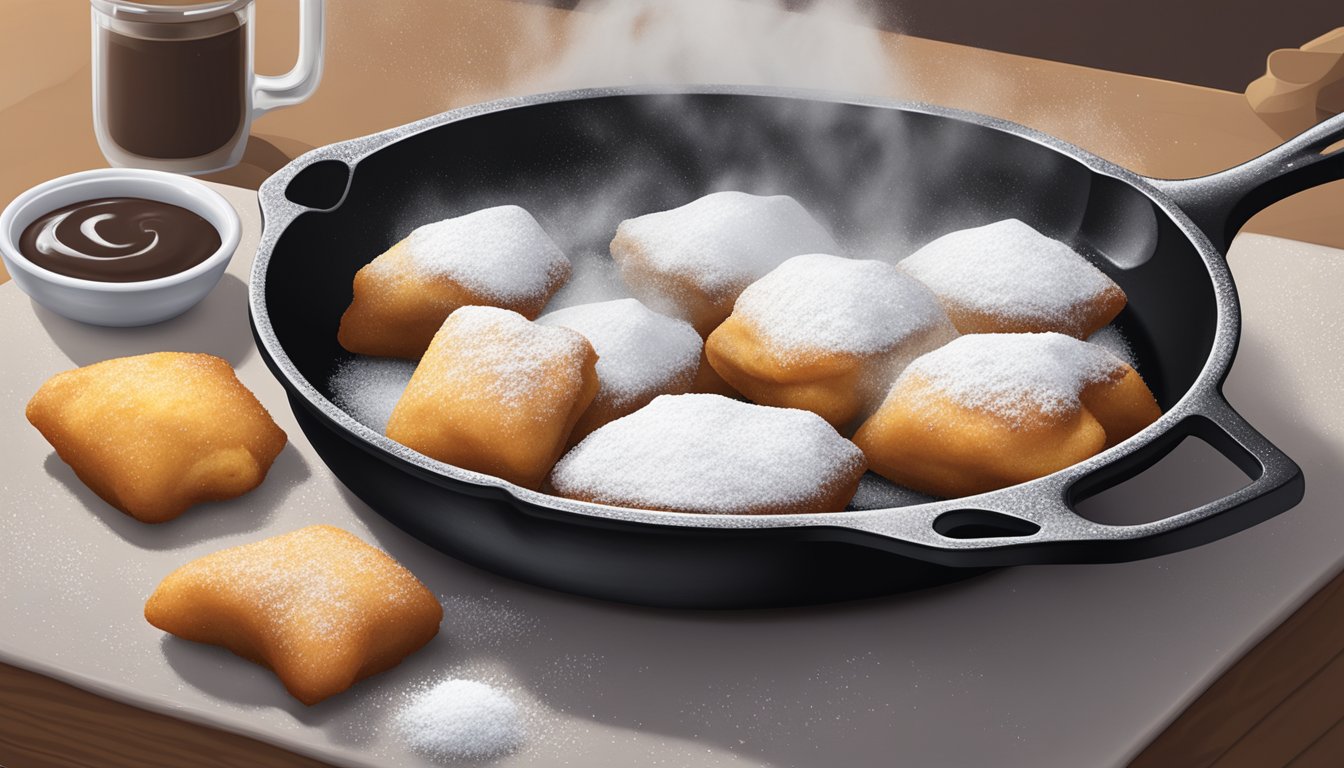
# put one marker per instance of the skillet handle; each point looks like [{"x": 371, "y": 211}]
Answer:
[
  {"x": 1036, "y": 523},
  {"x": 1276, "y": 484},
  {"x": 1222, "y": 202}
]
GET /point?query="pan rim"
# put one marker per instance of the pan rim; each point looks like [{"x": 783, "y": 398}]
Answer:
[{"x": 911, "y": 525}]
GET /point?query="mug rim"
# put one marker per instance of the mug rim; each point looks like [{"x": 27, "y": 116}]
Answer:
[
  {"x": 167, "y": 13},
  {"x": 215, "y": 209}
]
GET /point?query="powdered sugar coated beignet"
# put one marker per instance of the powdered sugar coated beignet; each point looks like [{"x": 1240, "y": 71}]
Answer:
[
  {"x": 827, "y": 334},
  {"x": 497, "y": 393},
  {"x": 498, "y": 257},
  {"x": 640, "y": 355},
  {"x": 1006, "y": 277},
  {"x": 318, "y": 606},
  {"x": 991, "y": 410},
  {"x": 706, "y": 453},
  {"x": 155, "y": 434},
  {"x": 693, "y": 261}
]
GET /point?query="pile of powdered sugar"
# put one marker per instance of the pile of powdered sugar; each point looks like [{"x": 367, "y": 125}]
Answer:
[
  {"x": 501, "y": 253},
  {"x": 1014, "y": 375},
  {"x": 368, "y": 388},
  {"x": 724, "y": 240},
  {"x": 707, "y": 453},
  {"x": 822, "y": 303},
  {"x": 461, "y": 720},
  {"x": 1007, "y": 269},
  {"x": 512, "y": 356},
  {"x": 639, "y": 351}
]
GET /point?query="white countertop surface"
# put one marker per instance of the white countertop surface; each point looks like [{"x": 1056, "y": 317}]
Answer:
[{"x": 1035, "y": 666}]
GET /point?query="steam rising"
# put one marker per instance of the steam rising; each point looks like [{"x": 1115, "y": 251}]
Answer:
[
  {"x": 832, "y": 46},
  {"x": 856, "y": 170}
]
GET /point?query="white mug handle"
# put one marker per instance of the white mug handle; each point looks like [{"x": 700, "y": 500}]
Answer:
[{"x": 272, "y": 92}]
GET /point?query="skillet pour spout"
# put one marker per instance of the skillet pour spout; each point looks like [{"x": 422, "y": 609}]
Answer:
[{"x": 924, "y": 169}]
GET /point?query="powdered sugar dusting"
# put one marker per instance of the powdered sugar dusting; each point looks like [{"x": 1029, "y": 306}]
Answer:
[
  {"x": 1112, "y": 340},
  {"x": 501, "y": 253},
  {"x": 725, "y": 240},
  {"x": 308, "y": 584},
  {"x": 877, "y": 492},
  {"x": 823, "y": 303},
  {"x": 461, "y": 719},
  {"x": 513, "y": 356},
  {"x": 368, "y": 388},
  {"x": 1015, "y": 375},
  {"x": 707, "y": 453},
  {"x": 1009, "y": 270},
  {"x": 639, "y": 351}
]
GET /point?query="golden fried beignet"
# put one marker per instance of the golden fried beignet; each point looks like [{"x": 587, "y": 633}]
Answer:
[
  {"x": 497, "y": 257},
  {"x": 1006, "y": 277},
  {"x": 709, "y": 382},
  {"x": 155, "y": 434},
  {"x": 317, "y": 606},
  {"x": 992, "y": 410},
  {"x": 640, "y": 355},
  {"x": 826, "y": 334},
  {"x": 693, "y": 261},
  {"x": 710, "y": 454},
  {"x": 498, "y": 394}
]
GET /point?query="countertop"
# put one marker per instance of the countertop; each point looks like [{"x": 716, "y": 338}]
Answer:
[{"x": 1057, "y": 665}]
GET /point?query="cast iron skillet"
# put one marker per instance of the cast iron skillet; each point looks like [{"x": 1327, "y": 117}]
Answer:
[{"x": 582, "y": 161}]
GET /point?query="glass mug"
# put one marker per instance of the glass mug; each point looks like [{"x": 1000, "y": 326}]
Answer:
[{"x": 173, "y": 84}]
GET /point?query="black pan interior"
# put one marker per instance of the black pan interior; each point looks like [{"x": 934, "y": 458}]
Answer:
[{"x": 886, "y": 180}]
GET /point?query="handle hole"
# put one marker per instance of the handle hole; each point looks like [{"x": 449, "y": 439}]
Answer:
[
  {"x": 980, "y": 524},
  {"x": 321, "y": 186},
  {"x": 1191, "y": 475},
  {"x": 1333, "y": 148}
]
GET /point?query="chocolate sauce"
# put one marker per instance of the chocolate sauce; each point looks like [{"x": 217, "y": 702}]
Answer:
[
  {"x": 119, "y": 240},
  {"x": 179, "y": 96}
]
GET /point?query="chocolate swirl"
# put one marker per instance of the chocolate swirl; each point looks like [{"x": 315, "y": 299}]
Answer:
[{"x": 119, "y": 240}]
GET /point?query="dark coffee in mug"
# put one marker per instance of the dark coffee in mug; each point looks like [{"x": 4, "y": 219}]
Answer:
[
  {"x": 173, "y": 84},
  {"x": 176, "y": 91}
]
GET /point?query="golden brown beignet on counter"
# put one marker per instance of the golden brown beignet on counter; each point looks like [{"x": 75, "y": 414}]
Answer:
[
  {"x": 827, "y": 334},
  {"x": 498, "y": 394},
  {"x": 155, "y": 434},
  {"x": 1006, "y": 277},
  {"x": 498, "y": 257},
  {"x": 317, "y": 606},
  {"x": 993, "y": 410},
  {"x": 693, "y": 261}
]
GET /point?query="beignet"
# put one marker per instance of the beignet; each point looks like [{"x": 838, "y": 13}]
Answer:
[
  {"x": 991, "y": 410},
  {"x": 155, "y": 434},
  {"x": 498, "y": 394},
  {"x": 709, "y": 382},
  {"x": 827, "y": 334},
  {"x": 706, "y": 453},
  {"x": 693, "y": 261},
  {"x": 317, "y": 606},
  {"x": 498, "y": 257},
  {"x": 640, "y": 355},
  {"x": 1006, "y": 277}
]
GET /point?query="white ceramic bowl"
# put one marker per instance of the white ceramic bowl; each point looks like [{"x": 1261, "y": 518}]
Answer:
[{"x": 118, "y": 304}]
